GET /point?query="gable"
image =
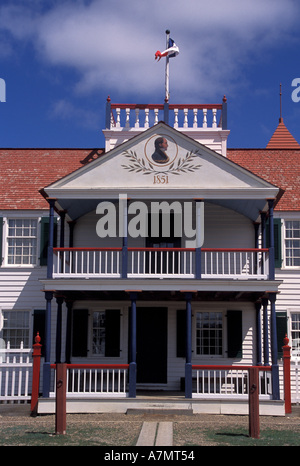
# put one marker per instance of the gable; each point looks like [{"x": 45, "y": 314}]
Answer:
[{"x": 181, "y": 164}]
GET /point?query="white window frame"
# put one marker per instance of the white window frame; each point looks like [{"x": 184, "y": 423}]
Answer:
[
  {"x": 17, "y": 216},
  {"x": 210, "y": 356},
  {"x": 28, "y": 329},
  {"x": 293, "y": 356},
  {"x": 289, "y": 218}
]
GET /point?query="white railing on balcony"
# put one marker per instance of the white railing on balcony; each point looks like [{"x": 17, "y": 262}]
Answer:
[
  {"x": 87, "y": 262},
  {"x": 161, "y": 263},
  {"x": 222, "y": 381},
  {"x": 141, "y": 116},
  {"x": 95, "y": 380},
  {"x": 235, "y": 263}
]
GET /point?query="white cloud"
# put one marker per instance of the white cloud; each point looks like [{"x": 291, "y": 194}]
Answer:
[{"x": 112, "y": 43}]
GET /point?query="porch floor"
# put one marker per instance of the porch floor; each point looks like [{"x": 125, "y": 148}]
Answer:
[{"x": 162, "y": 402}]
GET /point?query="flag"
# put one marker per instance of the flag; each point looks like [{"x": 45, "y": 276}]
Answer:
[{"x": 171, "y": 51}]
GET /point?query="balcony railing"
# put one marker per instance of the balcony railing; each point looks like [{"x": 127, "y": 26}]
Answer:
[
  {"x": 142, "y": 116},
  {"x": 160, "y": 263}
]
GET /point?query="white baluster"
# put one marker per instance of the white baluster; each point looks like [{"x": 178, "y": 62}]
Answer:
[
  {"x": 195, "y": 123},
  {"x": 156, "y": 116},
  {"x": 175, "y": 117},
  {"x": 185, "y": 123},
  {"x": 127, "y": 124},
  {"x": 214, "y": 125},
  {"x": 205, "y": 118},
  {"x": 118, "y": 111},
  {"x": 137, "y": 118},
  {"x": 146, "y": 117}
]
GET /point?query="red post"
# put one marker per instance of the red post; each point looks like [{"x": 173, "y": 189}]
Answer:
[
  {"x": 61, "y": 399},
  {"x": 36, "y": 355},
  {"x": 287, "y": 375},
  {"x": 254, "y": 402}
]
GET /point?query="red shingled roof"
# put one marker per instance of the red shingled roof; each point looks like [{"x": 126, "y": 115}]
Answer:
[
  {"x": 24, "y": 172},
  {"x": 282, "y": 138},
  {"x": 279, "y": 167}
]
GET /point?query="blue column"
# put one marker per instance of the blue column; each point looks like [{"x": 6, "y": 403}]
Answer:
[
  {"x": 274, "y": 349},
  {"x": 266, "y": 331},
  {"x": 271, "y": 241},
  {"x": 51, "y": 236},
  {"x": 188, "y": 360},
  {"x": 123, "y": 217},
  {"x": 132, "y": 363},
  {"x": 263, "y": 229},
  {"x": 258, "y": 334},
  {"x": 46, "y": 368}
]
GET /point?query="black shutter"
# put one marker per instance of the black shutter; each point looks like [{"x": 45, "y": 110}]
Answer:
[
  {"x": 181, "y": 333},
  {"x": 112, "y": 333},
  {"x": 45, "y": 239},
  {"x": 281, "y": 325},
  {"x": 234, "y": 334},
  {"x": 277, "y": 240},
  {"x": 39, "y": 321},
  {"x": 80, "y": 333},
  {"x": 1, "y": 236}
]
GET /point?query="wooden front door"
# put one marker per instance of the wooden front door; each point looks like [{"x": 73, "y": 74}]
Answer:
[{"x": 151, "y": 343}]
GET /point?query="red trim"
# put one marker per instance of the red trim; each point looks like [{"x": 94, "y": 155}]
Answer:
[
  {"x": 234, "y": 250},
  {"x": 165, "y": 249},
  {"x": 171, "y": 106},
  {"x": 225, "y": 368},
  {"x": 87, "y": 249},
  {"x": 94, "y": 366},
  {"x": 161, "y": 249}
]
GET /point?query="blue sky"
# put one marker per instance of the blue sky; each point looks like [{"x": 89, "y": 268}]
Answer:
[{"x": 61, "y": 59}]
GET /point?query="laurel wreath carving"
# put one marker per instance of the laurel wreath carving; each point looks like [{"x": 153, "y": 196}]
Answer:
[{"x": 182, "y": 165}]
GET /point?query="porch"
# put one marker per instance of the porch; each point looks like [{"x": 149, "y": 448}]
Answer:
[{"x": 219, "y": 390}]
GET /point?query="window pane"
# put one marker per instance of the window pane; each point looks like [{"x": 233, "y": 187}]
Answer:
[
  {"x": 98, "y": 345},
  {"x": 209, "y": 333},
  {"x": 22, "y": 241},
  {"x": 16, "y": 328}
]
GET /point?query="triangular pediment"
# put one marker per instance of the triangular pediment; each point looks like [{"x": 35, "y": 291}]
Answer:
[{"x": 142, "y": 164}]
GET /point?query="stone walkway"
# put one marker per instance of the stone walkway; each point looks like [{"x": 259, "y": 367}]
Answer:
[{"x": 156, "y": 433}]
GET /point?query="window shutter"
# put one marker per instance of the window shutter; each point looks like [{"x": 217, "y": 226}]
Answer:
[
  {"x": 281, "y": 325},
  {"x": 1, "y": 237},
  {"x": 39, "y": 321},
  {"x": 277, "y": 240},
  {"x": 45, "y": 239},
  {"x": 112, "y": 333},
  {"x": 234, "y": 334},
  {"x": 181, "y": 333},
  {"x": 80, "y": 333}
]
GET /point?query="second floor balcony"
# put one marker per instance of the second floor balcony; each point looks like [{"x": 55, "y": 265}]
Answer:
[{"x": 160, "y": 263}]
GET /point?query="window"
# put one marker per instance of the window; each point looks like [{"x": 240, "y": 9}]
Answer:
[
  {"x": 295, "y": 318},
  {"x": 292, "y": 243},
  {"x": 22, "y": 241},
  {"x": 16, "y": 328},
  {"x": 98, "y": 345},
  {"x": 209, "y": 333}
]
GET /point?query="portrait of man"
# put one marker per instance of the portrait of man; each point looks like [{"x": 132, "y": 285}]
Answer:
[{"x": 159, "y": 155}]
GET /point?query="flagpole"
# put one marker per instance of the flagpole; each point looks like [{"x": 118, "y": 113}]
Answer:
[{"x": 167, "y": 96}]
